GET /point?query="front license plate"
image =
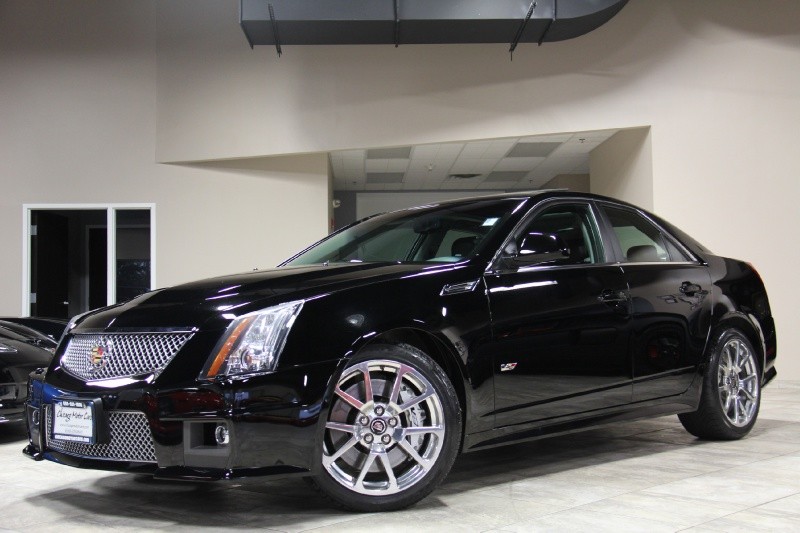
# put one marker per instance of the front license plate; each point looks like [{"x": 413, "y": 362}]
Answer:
[{"x": 73, "y": 420}]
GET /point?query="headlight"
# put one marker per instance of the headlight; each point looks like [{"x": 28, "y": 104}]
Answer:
[
  {"x": 5, "y": 348},
  {"x": 253, "y": 342}
]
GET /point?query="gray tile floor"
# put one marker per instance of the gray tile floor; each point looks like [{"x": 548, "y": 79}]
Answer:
[{"x": 638, "y": 476}]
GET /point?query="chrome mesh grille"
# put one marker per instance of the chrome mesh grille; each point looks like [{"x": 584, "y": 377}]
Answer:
[
  {"x": 131, "y": 439},
  {"x": 115, "y": 355}
]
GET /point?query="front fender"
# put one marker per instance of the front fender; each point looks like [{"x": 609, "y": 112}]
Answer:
[{"x": 450, "y": 328}]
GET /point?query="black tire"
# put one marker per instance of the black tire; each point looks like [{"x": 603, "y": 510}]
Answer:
[
  {"x": 731, "y": 394},
  {"x": 382, "y": 468}
]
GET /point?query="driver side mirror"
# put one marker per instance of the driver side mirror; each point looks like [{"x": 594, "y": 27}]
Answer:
[{"x": 537, "y": 248}]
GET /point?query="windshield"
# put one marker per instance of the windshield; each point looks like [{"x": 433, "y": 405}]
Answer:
[{"x": 440, "y": 234}]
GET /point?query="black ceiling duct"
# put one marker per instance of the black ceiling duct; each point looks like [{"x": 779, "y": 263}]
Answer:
[{"x": 287, "y": 22}]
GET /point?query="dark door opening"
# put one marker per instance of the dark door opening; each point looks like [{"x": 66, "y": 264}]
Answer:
[
  {"x": 49, "y": 264},
  {"x": 69, "y": 259}
]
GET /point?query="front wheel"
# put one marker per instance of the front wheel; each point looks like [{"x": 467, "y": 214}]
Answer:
[
  {"x": 731, "y": 394},
  {"x": 392, "y": 433}
]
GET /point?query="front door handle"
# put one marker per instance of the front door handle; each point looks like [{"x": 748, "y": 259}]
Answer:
[
  {"x": 690, "y": 289},
  {"x": 613, "y": 297}
]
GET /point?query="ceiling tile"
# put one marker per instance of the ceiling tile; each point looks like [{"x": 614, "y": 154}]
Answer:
[
  {"x": 474, "y": 149},
  {"x": 359, "y": 154},
  {"x": 385, "y": 177},
  {"x": 402, "y": 152},
  {"x": 597, "y": 136},
  {"x": 416, "y": 175},
  {"x": 396, "y": 165},
  {"x": 377, "y": 165},
  {"x": 464, "y": 165},
  {"x": 456, "y": 184},
  {"x": 466, "y": 182},
  {"x": 499, "y": 148},
  {"x": 449, "y": 150},
  {"x": 557, "y": 138},
  {"x": 506, "y": 175},
  {"x": 519, "y": 163},
  {"x": 420, "y": 164},
  {"x": 485, "y": 165},
  {"x": 534, "y": 149}
]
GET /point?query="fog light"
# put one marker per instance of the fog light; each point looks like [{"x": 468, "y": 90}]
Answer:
[
  {"x": 221, "y": 435},
  {"x": 35, "y": 417}
]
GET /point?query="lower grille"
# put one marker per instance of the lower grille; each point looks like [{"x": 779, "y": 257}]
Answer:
[{"x": 131, "y": 439}]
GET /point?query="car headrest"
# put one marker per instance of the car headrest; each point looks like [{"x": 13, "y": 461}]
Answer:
[
  {"x": 463, "y": 247},
  {"x": 645, "y": 253}
]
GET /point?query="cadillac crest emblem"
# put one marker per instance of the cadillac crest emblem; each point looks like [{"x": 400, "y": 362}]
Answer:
[{"x": 99, "y": 354}]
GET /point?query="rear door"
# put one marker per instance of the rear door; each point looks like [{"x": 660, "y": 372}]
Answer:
[
  {"x": 670, "y": 303},
  {"x": 560, "y": 327}
]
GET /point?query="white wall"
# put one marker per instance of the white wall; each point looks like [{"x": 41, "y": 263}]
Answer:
[
  {"x": 78, "y": 108},
  {"x": 572, "y": 182},
  {"x": 622, "y": 167},
  {"x": 95, "y": 90}
]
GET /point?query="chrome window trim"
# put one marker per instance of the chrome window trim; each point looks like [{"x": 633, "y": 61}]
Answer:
[
  {"x": 653, "y": 263},
  {"x": 534, "y": 268}
]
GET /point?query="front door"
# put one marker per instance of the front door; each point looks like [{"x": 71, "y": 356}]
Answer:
[{"x": 560, "y": 328}]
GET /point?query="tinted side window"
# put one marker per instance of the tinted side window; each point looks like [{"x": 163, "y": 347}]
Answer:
[
  {"x": 574, "y": 225},
  {"x": 640, "y": 240}
]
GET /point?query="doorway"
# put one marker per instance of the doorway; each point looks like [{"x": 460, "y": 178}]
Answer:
[{"x": 78, "y": 258}]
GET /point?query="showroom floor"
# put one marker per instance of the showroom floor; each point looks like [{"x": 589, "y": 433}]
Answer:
[{"x": 648, "y": 475}]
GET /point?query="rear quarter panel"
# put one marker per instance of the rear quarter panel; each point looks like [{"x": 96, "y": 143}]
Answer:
[{"x": 741, "y": 301}]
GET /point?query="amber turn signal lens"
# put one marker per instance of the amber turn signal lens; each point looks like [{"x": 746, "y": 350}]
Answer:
[{"x": 229, "y": 345}]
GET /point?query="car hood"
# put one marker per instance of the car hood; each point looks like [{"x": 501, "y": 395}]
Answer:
[{"x": 212, "y": 303}]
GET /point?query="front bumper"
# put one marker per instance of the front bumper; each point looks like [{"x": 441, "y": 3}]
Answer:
[{"x": 270, "y": 421}]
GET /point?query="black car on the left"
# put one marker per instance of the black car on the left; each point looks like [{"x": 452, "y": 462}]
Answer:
[{"x": 22, "y": 350}]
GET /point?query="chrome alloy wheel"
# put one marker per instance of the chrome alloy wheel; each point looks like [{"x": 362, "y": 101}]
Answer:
[
  {"x": 385, "y": 429},
  {"x": 737, "y": 382}
]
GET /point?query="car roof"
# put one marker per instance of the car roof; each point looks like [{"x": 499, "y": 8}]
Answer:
[{"x": 538, "y": 194}]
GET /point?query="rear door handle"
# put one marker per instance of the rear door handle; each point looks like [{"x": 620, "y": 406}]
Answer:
[{"x": 690, "y": 289}]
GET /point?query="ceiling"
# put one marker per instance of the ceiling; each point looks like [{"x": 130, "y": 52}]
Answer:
[{"x": 508, "y": 163}]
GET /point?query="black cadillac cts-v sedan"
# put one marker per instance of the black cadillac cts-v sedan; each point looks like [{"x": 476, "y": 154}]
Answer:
[{"x": 368, "y": 361}]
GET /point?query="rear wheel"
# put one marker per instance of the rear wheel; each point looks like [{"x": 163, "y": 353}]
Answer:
[
  {"x": 392, "y": 433},
  {"x": 731, "y": 394}
]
